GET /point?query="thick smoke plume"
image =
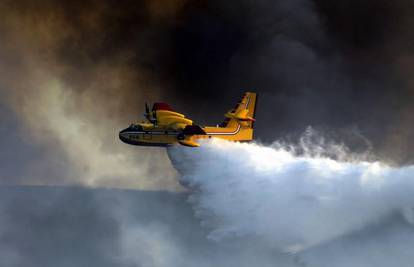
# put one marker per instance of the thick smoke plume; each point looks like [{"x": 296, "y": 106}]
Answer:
[
  {"x": 292, "y": 202},
  {"x": 73, "y": 74},
  {"x": 68, "y": 86}
]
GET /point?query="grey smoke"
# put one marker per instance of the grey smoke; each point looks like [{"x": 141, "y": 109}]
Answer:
[{"x": 64, "y": 226}]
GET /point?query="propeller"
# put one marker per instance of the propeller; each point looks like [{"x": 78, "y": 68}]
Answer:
[
  {"x": 150, "y": 116},
  {"x": 146, "y": 108},
  {"x": 147, "y": 112},
  {"x": 154, "y": 117}
]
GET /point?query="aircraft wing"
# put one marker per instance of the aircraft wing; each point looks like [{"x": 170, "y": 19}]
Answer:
[
  {"x": 186, "y": 139},
  {"x": 166, "y": 116}
]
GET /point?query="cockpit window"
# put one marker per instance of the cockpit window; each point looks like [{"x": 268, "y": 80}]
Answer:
[{"x": 136, "y": 127}]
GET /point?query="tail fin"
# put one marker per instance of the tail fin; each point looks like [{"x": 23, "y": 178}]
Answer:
[{"x": 243, "y": 113}]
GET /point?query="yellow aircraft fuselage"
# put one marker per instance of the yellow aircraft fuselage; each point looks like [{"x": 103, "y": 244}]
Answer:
[
  {"x": 163, "y": 137},
  {"x": 168, "y": 127}
]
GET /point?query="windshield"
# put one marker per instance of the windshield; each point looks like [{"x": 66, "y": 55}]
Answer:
[{"x": 136, "y": 127}]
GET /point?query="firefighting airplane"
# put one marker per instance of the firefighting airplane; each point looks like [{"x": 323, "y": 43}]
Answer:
[{"x": 164, "y": 127}]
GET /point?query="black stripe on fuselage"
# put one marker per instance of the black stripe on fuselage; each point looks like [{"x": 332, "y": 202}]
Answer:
[
  {"x": 135, "y": 143},
  {"x": 153, "y": 132},
  {"x": 138, "y": 143}
]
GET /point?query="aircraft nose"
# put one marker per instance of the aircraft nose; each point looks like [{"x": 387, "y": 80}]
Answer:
[
  {"x": 123, "y": 131},
  {"x": 122, "y": 136}
]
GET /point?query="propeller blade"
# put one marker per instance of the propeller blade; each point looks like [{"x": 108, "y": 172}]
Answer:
[
  {"x": 154, "y": 116},
  {"x": 147, "y": 114},
  {"x": 146, "y": 108}
]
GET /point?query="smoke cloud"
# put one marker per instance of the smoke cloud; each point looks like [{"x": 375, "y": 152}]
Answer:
[
  {"x": 73, "y": 74},
  {"x": 89, "y": 66},
  {"x": 68, "y": 98}
]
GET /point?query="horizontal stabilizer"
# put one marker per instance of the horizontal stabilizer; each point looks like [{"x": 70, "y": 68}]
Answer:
[{"x": 241, "y": 115}]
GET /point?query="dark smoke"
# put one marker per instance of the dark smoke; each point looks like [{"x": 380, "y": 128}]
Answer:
[{"x": 336, "y": 66}]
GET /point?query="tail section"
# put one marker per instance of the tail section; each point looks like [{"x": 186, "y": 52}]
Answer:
[
  {"x": 239, "y": 122},
  {"x": 243, "y": 113}
]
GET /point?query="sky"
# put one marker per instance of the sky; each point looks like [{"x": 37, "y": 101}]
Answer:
[{"x": 73, "y": 74}]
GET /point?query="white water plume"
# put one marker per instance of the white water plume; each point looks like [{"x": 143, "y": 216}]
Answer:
[{"x": 288, "y": 200}]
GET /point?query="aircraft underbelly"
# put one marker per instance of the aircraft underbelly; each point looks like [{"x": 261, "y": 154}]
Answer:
[{"x": 149, "y": 139}]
